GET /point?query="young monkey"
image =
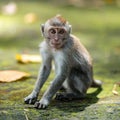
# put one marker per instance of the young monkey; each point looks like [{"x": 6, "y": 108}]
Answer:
[{"x": 73, "y": 65}]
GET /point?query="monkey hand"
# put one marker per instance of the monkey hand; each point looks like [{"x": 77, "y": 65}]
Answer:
[
  {"x": 31, "y": 99},
  {"x": 42, "y": 104}
]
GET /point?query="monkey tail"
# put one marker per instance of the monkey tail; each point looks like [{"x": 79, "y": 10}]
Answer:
[{"x": 96, "y": 83}]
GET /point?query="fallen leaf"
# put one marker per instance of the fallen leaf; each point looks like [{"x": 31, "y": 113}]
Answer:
[
  {"x": 114, "y": 90},
  {"x": 12, "y": 75},
  {"x": 30, "y": 18},
  {"x": 25, "y": 58}
]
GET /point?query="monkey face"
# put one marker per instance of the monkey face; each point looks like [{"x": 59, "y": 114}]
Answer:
[
  {"x": 57, "y": 37},
  {"x": 56, "y": 31}
]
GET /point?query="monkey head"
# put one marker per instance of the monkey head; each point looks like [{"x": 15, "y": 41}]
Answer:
[{"x": 56, "y": 31}]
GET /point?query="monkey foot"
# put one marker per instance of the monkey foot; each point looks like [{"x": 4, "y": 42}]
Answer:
[
  {"x": 39, "y": 105},
  {"x": 28, "y": 100},
  {"x": 67, "y": 97}
]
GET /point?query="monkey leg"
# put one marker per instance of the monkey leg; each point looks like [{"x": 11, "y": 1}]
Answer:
[
  {"x": 70, "y": 93},
  {"x": 76, "y": 86},
  {"x": 64, "y": 96}
]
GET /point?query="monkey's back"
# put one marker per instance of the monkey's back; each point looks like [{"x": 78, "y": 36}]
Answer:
[{"x": 80, "y": 53}]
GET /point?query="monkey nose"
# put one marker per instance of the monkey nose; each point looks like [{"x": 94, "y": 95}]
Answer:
[{"x": 56, "y": 39}]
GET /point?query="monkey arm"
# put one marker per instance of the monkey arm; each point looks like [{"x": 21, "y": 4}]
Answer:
[
  {"x": 42, "y": 77},
  {"x": 54, "y": 87}
]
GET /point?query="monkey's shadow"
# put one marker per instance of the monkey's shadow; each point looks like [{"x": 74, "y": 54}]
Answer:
[{"x": 78, "y": 105}]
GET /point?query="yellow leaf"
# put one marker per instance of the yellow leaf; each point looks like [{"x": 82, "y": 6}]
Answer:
[
  {"x": 25, "y": 58},
  {"x": 30, "y": 18},
  {"x": 114, "y": 90},
  {"x": 12, "y": 75}
]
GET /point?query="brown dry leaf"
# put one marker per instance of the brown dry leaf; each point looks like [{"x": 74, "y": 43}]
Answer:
[
  {"x": 26, "y": 58},
  {"x": 12, "y": 75}
]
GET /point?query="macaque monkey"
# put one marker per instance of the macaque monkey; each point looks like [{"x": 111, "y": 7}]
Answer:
[{"x": 73, "y": 65}]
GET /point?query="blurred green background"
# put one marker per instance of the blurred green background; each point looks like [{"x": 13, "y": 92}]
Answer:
[{"x": 95, "y": 22}]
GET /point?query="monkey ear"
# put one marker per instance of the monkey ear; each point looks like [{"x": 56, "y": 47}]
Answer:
[
  {"x": 42, "y": 29},
  {"x": 70, "y": 29}
]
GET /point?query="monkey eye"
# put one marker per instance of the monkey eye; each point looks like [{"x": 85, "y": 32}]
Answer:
[
  {"x": 62, "y": 31},
  {"x": 52, "y": 31}
]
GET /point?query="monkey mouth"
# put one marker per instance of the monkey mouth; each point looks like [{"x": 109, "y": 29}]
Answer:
[{"x": 55, "y": 45}]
